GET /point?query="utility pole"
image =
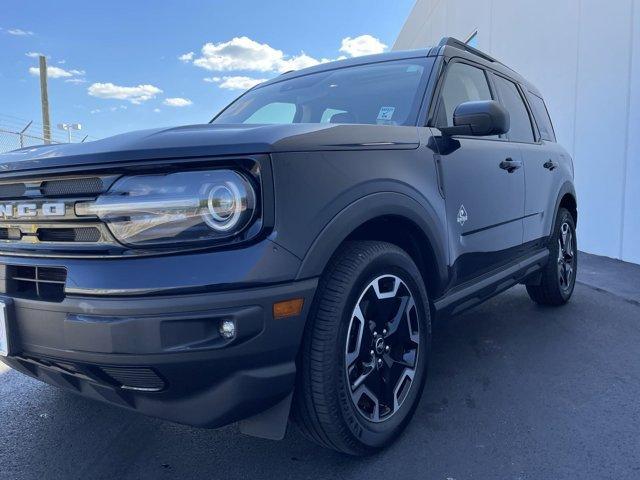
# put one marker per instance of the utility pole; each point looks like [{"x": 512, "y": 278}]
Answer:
[{"x": 44, "y": 96}]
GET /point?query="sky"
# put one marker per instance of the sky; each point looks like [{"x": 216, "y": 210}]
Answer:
[{"x": 117, "y": 66}]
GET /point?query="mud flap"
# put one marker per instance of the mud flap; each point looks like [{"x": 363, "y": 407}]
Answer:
[{"x": 270, "y": 424}]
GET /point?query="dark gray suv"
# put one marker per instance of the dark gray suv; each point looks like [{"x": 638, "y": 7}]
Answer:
[{"x": 288, "y": 258}]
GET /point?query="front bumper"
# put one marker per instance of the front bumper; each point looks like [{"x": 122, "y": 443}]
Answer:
[{"x": 163, "y": 355}]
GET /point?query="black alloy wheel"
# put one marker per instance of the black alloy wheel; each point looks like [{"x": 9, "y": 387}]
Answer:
[
  {"x": 382, "y": 348},
  {"x": 556, "y": 281}
]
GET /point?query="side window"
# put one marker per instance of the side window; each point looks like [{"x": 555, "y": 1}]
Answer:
[
  {"x": 276, "y": 112},
  {"x": 463, "y": 83},
  {"x": 542, "y": 117},
  {"x": 521, "y": 129}
]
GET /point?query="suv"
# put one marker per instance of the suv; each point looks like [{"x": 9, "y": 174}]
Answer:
[{"x": 288, "y": 258}]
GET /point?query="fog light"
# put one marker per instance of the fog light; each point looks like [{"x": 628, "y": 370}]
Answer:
[{"x": 228, "y": 329}]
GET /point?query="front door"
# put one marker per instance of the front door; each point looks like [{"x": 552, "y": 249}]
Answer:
[{"x": 482, "y": 181}]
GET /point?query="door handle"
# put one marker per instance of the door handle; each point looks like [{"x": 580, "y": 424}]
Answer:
[
  {"x": 510, "y": 165},
  {"x": 550, "y": 165}
]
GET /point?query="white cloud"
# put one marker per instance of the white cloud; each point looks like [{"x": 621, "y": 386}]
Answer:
[
  {"x": 299, "y": 62},
  {"x": 235, "y": 83},
  {"x": 75, "y": 80},
  {"x": 157, "y": 110},
  {"x": 35, "y": 54},
  {"x": 62, "y": 62},
  {"x": 177, "y": 102},
  {"x": 57, "y": 72},
  {"x": 243, "y": 53},
  {"x": 135, "y": 95},
  {"x": 52, "y": 72},
  {"x": 240, "y": 53},
  {"x": 19, "y": 32},
  {"x": 186, "y": 57},
  {"x": 362, "y": 45}
]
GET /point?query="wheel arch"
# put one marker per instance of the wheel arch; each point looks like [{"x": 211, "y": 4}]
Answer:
[
  {"x": 387, "y": 216},
  {"x": 566, "y": 199}
]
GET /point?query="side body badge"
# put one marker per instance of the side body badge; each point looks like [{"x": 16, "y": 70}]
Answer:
[{"x": 462, "y": 215}]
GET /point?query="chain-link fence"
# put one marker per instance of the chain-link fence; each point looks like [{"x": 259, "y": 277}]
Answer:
[{"x": 18, "y": 133}]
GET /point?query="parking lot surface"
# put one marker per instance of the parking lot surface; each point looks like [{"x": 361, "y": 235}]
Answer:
[{"x": 516, "y": 391}]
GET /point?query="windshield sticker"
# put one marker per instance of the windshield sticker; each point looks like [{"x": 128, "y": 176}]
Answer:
[{"x": 386, "y": 113}]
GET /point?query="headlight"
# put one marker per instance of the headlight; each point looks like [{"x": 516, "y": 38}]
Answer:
[{"x": 186, "y": 207}]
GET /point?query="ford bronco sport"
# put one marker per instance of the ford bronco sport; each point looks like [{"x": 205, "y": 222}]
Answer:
[{"x": 287, "y": 259}]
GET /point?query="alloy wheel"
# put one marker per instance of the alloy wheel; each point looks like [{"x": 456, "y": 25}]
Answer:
[
  {"x": 381, "y": 354},
  {"x": 566, "y": 256}
]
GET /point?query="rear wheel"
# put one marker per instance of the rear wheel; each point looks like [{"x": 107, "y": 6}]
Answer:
[
  {"x": 559, "y": 276},
  {"x": 364, "y": 355}
]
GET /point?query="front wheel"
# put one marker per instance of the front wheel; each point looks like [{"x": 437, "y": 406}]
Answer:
[
  {"x": 558, "y": 278},
  {"x": 364, "y": 356}
]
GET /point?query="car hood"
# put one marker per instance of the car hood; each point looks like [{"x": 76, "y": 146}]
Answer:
[{"x": 210, "y": 140}]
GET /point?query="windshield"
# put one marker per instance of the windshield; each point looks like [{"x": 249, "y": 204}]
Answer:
[{"x": 385, "y": 93}]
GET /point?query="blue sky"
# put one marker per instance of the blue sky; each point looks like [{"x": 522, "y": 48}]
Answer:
[{"x": 126, "y": 65}]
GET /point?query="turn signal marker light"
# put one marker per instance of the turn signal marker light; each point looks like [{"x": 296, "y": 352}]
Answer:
[{"x": 288, "y": 308}]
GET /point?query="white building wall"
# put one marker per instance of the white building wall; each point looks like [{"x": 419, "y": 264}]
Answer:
[{"x": 584, "y": 56}]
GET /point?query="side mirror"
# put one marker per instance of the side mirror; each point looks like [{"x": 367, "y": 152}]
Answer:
[{"x": 480, "y": 118}]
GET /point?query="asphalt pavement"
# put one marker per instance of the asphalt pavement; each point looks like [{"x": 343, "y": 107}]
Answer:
[{"x": 516, "y": 391}]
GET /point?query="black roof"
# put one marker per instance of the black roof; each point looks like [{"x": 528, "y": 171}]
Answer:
[
  {"x": 452, "y": 47},
  {"x": 448, "y": 47}
]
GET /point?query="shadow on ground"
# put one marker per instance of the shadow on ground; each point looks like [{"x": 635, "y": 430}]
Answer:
[{"x": 515, "y": 391}]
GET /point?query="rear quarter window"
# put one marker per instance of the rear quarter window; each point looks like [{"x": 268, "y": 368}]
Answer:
[{"x": 542, "y": 117}]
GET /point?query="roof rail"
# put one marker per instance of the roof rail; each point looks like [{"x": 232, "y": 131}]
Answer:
[{"x": 454, "y": 42}]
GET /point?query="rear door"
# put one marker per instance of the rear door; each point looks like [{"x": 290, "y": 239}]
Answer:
[
  {"x": 543, "y": 173},
  {"x": 484, "y": 201},
  {"x": 540, "y": 159}
]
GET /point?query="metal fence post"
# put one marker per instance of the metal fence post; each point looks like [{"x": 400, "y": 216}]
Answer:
[{"x": 22, "y": 133}]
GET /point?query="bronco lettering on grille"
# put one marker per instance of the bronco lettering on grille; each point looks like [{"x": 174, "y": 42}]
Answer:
[{"x": 20, "y": 210}]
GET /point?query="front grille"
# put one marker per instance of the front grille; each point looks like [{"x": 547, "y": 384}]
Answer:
[
  {"x": 10, "y": 234},
  {"x": 12, "y": 190},
  {"x": 76, "y": 234},
  {"x": 38, "y": 215},
  {"x": 62, "y": 187},
  {"x": 79, "y": 234},
  {"x": 36, "y": 283},
  {"x": 72, "y": 186},
  {"x": 135, "y": 378}
]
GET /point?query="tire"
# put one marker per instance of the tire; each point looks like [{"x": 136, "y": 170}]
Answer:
[
  {"x": 324, "y": 405},
  {"x": 555, "y": 288}
]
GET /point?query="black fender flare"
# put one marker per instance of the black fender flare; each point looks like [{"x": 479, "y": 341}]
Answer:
[
  {"x": 368, "y": 208},
  {"x": 566, "y": 188}
]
